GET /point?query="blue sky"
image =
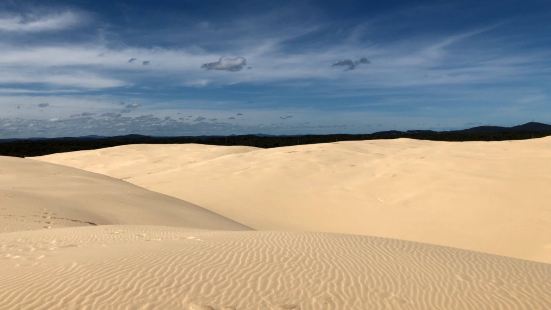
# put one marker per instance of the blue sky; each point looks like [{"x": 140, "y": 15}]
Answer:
[{"x": 165, "y": 67}]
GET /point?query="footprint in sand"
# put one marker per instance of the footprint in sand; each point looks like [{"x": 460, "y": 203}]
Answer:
[{"x": 47, "y": 215}]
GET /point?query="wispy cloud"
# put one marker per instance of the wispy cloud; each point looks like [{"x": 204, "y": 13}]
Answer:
[
  {"x": 197, "y": 83},
  {"x": 434, "y": 61},
  {"x": 78, "y": 79},
  {"x": 38, "y": 22}
]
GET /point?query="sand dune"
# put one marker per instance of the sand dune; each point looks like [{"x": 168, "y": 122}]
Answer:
[
  {"x": 36, "y": 195},
  {"x": 487, "y": 196},
  {"x": 146, "y": 267},
  {"x": 59, "y": 248}
]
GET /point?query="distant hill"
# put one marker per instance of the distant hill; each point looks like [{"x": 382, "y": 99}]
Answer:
[
  {"x": 533, "y": 126},
  {"x": 528, "y": 127},
  {"x": 44, "y": 146}
]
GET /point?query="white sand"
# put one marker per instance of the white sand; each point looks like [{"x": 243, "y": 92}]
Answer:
[
  {"x": 59, "y": 248},
  {"x": 148, "y": 267},
  {"x": 38, "y": 195},
  {"x": 493, "y": 197}
]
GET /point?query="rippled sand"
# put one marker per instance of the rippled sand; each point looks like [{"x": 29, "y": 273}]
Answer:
[{"x": 152, "y": 267}]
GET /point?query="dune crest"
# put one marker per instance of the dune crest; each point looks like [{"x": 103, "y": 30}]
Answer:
[
  {"x": 485, "y": 196},
  {"x": 173, "y": 268}
]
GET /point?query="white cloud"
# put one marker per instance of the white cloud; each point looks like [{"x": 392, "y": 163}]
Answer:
[
  {"x": 22, "y": 90},
  {"x": 33, "y": 22},
  {"x": 83, "y": 80},
  {"x": 197, "y": 83},
  {"x": 77, "y": 79}
]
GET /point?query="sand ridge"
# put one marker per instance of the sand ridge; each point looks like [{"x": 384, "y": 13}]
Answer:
[
  {"x": 39, "y": 195},
  {"x": 153, "y": 267},
  {"x": 485, "y": 196}
]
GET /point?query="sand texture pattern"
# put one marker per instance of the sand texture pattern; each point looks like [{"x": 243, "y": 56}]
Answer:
[
  {"x": 153, "y": 267},
  {"x": 491, "y": 197}
]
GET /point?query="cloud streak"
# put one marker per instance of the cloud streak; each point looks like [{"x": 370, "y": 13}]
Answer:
[
  {"x": 78, "y": 79},
  {"x": 34, "y": 23}
]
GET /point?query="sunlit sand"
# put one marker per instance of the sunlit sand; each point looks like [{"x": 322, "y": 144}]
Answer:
[
  {"x": 491, "y": 197},
  {"x": 327, "y": 226}
]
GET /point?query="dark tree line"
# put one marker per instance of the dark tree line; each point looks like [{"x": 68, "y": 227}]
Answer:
[{"x": 37, "y": 147}]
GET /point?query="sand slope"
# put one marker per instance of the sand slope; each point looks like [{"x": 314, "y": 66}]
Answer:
[
  {"x": 487, "y": 196},
  {"x": 141, "y": 267},
  {"x": 36, "y": 195}
]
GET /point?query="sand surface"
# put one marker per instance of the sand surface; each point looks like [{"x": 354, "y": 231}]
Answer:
[
  {"x": 493, "y": 197},
  {"x": 74, "y": 239},
  {"x": 38, "y": 195},
  {"x": 153, "y": 267}
]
